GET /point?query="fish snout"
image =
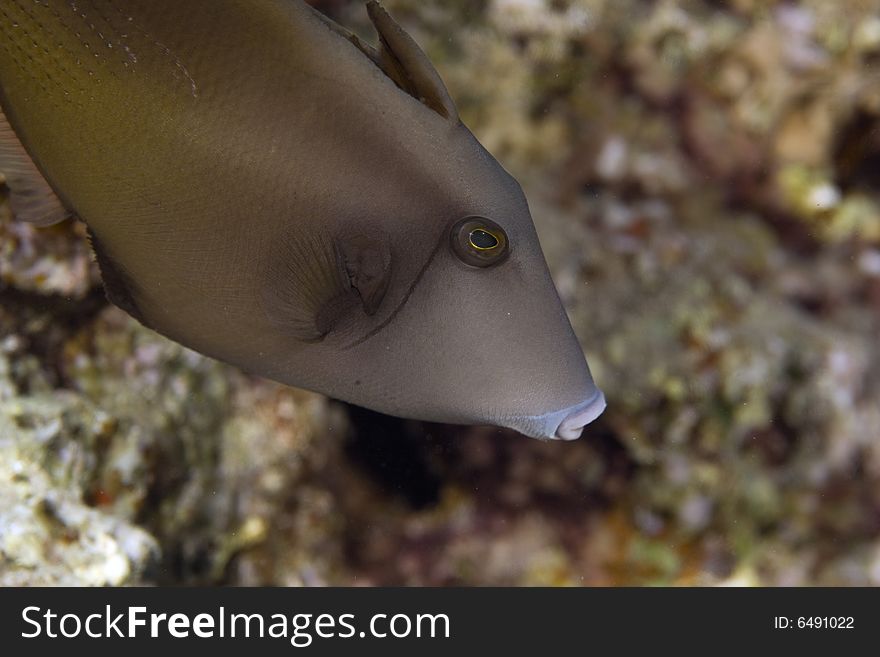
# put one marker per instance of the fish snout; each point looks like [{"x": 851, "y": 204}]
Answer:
[
  {"x": 579, "y": 416},
  {"x": 565, "y": 424}
]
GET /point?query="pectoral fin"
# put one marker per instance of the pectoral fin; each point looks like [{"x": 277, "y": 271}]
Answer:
[
  {"x": 313, "y": 281},
  {"x": 367, "y": 262},
  {"x": 404, "y": 62},
  {"x": 31, "y": 199},
  {"x": 305, "y": 286}
]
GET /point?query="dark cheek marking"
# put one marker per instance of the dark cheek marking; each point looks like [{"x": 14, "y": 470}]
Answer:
[{"x": 412, "y": 287}]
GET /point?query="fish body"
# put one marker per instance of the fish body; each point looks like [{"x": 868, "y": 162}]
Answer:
[{"x": 264, "y": 188}]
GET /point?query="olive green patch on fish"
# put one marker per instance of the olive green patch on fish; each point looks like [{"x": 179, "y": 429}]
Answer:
[
  {"x": 262, "y": 186},
  {"x": 31, "y": 198}
]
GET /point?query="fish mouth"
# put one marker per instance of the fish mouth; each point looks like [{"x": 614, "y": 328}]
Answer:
[
  {"x": 566, "y": 424},
  {"x": 580, "y": 416}
]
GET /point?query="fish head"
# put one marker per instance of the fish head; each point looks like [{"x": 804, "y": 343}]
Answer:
[
  {"x": 475, "y": 332},
  {"x": 417, "y": 286}
]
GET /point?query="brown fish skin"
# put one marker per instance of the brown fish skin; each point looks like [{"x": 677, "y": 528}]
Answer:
[{"x": 268, "y": 191}]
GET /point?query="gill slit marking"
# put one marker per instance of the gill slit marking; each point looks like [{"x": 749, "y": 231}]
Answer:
[{"x": 406, "y": 296}]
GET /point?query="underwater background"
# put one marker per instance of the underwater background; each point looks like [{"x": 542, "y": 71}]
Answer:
[{"x": 705, "y": 180}]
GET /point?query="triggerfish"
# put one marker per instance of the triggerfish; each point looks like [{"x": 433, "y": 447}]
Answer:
[{"x": 264, "y": 187}]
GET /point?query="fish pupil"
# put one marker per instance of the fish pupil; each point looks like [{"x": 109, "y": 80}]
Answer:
[{"x": 482, "y": 239}]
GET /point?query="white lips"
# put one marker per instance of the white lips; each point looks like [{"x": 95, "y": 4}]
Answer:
[
  {"x": 564, "y": 424},
  {"x": 571, "y": 427}
]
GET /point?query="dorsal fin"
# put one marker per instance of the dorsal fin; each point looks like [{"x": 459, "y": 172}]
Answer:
[
  {"x": 401, "y": 58},
  {"x": 31, "y": 198}
]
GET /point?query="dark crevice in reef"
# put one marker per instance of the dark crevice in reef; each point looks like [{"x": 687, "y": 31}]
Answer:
[
  {"x": 415, "y": 460},
  {"x": 857, "y": 153},
  {"x": 47, "y": 321},
  {"x": 503, "y": 474},
  {"x": 396, "y": 454}
]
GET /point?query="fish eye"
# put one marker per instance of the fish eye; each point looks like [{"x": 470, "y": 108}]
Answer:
[
  {"x": 482, "y": 240},
  {"x": 479, "y": 242}
]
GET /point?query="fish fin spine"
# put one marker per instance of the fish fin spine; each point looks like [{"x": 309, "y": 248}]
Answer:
[{"x": 402, "y": 60}]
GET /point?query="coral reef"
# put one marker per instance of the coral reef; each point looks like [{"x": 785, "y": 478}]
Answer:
[
  {"x": 125, "y": 458},
  {"x": 705, "y": 179}
]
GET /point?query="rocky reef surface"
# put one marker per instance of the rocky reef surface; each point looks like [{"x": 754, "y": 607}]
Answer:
[{"x": 705, "y": 178}]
